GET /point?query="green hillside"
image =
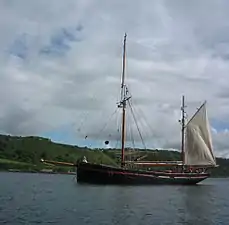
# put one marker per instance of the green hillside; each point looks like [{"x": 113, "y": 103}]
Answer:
[{"x": 24, "y": 153}]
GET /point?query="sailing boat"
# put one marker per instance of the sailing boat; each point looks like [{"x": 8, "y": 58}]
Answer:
[
  {"x": 196, "y": 154},
  {"x": 196, "y": 151}
]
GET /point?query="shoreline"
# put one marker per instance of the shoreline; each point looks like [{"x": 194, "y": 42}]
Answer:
[{"x": 68, "y": 173}]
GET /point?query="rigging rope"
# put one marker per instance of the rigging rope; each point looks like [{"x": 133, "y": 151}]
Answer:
[
  {"x": 136, "y": 124},
  {"x": 146, "y": 122},
  {"x": 82, "y": 121},
  {"x": 103, "y": 128},
  {"x": 132, "y": 137},
  {"x": 118, "y": 131}
]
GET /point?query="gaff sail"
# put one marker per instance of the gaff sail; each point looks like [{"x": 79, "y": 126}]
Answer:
[{"x": 198, "y": 140}]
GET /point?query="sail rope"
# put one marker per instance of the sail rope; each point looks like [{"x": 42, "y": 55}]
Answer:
[
  {"x": 132, "y": 137},
  {"x": 100, "y": 132},
  {"x": 105, "y": 125},
  {"x": 136, "y": 124},
  {"x": 133, "y": 150},
  {"x": 118, "y": 127},
  {"x": 144, "y": 118},
  {"x": 137, "y": 153},
  {"x": 84, "y": 116}
]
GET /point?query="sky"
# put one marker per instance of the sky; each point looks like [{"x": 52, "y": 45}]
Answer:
[{"x": 61, "y": 63}]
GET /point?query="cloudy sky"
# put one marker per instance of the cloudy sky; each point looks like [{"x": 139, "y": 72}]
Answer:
[{"x": 60, "y": 67}]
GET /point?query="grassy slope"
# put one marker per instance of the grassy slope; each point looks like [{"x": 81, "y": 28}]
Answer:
[{"x": 30, "y": 150}]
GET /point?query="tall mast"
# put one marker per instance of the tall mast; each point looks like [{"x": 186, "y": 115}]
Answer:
[
  {"x": 123, "y": 102},
  {"x": 182, "y": 129}
]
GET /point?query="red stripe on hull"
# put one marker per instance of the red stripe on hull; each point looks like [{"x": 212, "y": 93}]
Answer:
[{"x": 182, "y": 175}]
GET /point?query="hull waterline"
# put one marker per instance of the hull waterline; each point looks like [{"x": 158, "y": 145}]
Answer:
[{"x": 102, "y": 174}]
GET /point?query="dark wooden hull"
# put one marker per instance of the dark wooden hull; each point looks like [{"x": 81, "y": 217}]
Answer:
[{"x": 103, "y": 174}]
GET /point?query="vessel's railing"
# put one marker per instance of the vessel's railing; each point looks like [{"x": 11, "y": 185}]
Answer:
[
  {"x": 167, "y": 163},
  {"x": 155, "y": 163},
  {"x": 171, "y": 162}
]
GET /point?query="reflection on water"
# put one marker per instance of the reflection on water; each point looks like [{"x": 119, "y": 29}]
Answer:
[
  {"x": 198, "y": 204},
  {"x": 58, "y": 199}
]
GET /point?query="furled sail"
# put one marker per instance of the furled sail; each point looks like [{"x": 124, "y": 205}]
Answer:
[{"x": 198, "y": 141}]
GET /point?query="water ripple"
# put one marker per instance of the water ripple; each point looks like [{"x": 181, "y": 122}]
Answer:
[{"x": 57, "y": 199}]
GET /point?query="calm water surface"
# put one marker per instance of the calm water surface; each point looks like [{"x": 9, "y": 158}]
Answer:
[{"x": 58, "y": 199}]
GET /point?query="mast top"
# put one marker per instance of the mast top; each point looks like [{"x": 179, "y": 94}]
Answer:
[
  {"x": 123, "y": 68},
  {"x": 123, "y": 102}
]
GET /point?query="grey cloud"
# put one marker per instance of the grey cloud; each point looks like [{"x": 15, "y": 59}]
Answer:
[
  {"x": 61, "y": 40},
  {"x": 16, "y": 120},
  {"x": 173, "y": 48}
]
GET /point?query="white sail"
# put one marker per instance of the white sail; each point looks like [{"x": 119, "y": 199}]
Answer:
[{"x": 198, "y": 141}]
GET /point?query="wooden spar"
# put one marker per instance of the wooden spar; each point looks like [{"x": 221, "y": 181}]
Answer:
[
  {"x": 57, "y": 163},
  {"x": 141, "y": 157},
  {"x": 196, "y": 112},
  {"x": 123, "y": 102},
  {"x": 182, "y": 129}
]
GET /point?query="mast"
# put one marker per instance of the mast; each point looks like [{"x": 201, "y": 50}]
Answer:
[
  {"x": 182, "y": 129},
  {"x": 123, "y": 102}
]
